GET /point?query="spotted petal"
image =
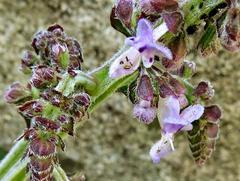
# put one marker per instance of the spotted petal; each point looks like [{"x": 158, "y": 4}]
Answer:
[{"x": 126, "y": 64}]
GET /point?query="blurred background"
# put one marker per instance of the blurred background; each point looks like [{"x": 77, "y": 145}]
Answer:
[{"x": 112, "y": 146}]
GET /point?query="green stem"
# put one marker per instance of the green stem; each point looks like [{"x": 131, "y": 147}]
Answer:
[{"x": 13, "y": 156}]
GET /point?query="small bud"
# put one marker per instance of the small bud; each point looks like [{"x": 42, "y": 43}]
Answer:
[
  {"x": 67, "y": 124},
  {"x": 42, "y": 148},
  {"x": 27, "y": 61},
  {"x": 124, "y": 10},
  {"x": 204, "y": 90},
  {"x": 40, "y": 165},
  {"x": 54, "y": 27},
  {"x": 82, "y": 99},
  {"x": 187, "y": 70},
  {"x": 177, "y": 86},
  {"x": 16, "y": 93},
  {"x": 164, "y": 5},
  {"x": 75, "y": 53},
  {"x": 173, "y": 20},
  {"x": 179, "y": 50},
  {"x": 30, "y": 108},
  {"x": 230, "y": 30},
  {"x": 39, "y": 42},
  {"x": 144, "y": 88},
  {"x": 146, "y": 7},
  {"x": 144, "y": 112},
  {"x": 164, "y": 88},
  {"x": 43, "y": 76},
  {"x": 46, "y": 123},
  {"x": 212, "y": 113}
]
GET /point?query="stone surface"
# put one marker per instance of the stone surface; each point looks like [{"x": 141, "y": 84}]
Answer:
[{"x": 112, "y": 145}]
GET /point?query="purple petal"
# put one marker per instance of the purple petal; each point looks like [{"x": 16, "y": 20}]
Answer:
[
  {"x": 144, "y": 30},
  {"x": 172, "y": 128},
  {"x": 168, "y": 108},
  {"x": 125, "y": 65},
  {"x": 161, "y": 50},
  {"x": 161, "y": 149},
  {"x": 192, "y": 113}
]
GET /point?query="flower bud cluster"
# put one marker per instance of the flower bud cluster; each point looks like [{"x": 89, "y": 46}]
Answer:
[{"x": 47, "y": 111}]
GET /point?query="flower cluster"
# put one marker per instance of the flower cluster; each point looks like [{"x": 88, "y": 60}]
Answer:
[
  {"x": 47, "y": 110},
  {"x": 162, "y": 89}
]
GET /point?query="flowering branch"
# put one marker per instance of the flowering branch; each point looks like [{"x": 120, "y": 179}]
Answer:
[{"x": 154, "y": 76}]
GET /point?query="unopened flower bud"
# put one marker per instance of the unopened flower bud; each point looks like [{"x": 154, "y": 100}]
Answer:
[
  {"x": 16, "y": 93},
  {"x": 27, "y": 61},
  {"x": 177, "y": 86},
  {"x": 55, "y": 27},
  {"x": 30, "y": 108},
  {"x": 39, "y": 42},
  {"x": 173, "y": 20},
  {"x": 146, "y": 7},
  {"x": 46, "y": 123},
  {"x": 144, "y": 88},
  {"x": 164, "y": 88},
  {"x": 164, "y": 5},
  {"x": 40, "y": 168},
  {"x": 230, "y": 30},
  {"x": 43, "y": 76},
  {"x": 67, "y": 124},
  {"x": 42, "y": 148},
  {"x": 187, "y": 70},
  {"x": 75, "y": 53},
  {"x": 204, "y": 90},
  {"x": 144, "y": 112},
  {"x": 82, "y": 99},
  {"x": 179, "y": 50},
  {"x": 212, "y": 113},
  {"x": 124, "y": 10}
]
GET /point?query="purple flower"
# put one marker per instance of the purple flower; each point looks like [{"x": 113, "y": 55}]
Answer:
[
  {"x": 144, "y": 48},
  {"x": 146, "y": 45},
  {"x": 144, "y": 112},
  {"x": 162, "y": 148},
  {"x": 172, "y": 120}
]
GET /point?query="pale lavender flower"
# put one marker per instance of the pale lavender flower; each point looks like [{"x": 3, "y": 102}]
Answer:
[
  {"x": 144, "y": 112},
  {"x": 172, "y": 120},
  {"x": 146, "y": 45},
  {"x": 144, "y": 48}
]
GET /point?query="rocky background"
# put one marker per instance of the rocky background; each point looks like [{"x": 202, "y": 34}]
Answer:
[{"x": 112, "y": 146}]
